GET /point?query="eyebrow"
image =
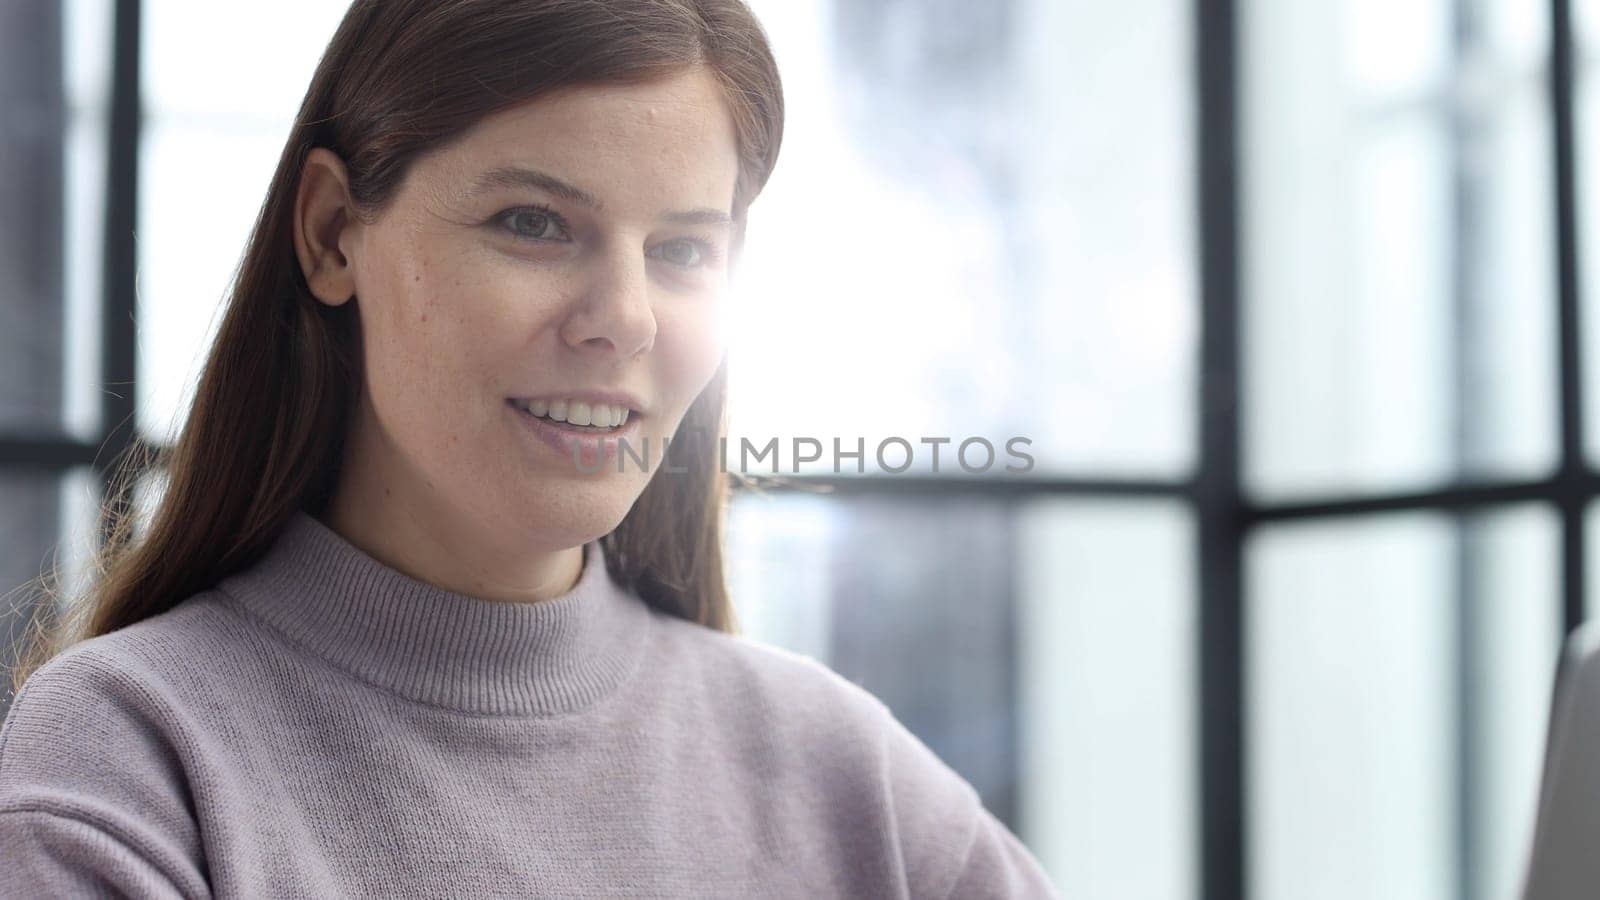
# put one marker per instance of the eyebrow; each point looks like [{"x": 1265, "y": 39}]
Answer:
[{"x": 521, "y": 176}]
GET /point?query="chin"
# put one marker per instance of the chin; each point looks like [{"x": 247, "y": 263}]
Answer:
[{"x": 574, "y": 515}]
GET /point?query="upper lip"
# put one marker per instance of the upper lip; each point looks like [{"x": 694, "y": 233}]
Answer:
[{"x": 610, "y": 398}]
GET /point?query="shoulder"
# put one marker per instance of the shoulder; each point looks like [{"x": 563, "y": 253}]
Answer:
[
  {"x": 114, "y": 701},
  {"x": 96, "y": 758},
  {"x": 100, "y": 741},
  {"x": 877, "y": 775},
  {"x": 740, "y": 672},
  {"x": 167, "y": 649}
]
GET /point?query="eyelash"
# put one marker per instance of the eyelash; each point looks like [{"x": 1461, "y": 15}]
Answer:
[{"x": 708, "y": 252}]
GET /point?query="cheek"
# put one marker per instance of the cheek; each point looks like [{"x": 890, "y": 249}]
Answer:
[
  {"x": 690, "y": 345},
  {"x": 416, "y": 359}
]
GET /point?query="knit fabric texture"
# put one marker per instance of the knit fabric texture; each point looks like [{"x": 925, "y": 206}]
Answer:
[{"x": 323, "y": 725}]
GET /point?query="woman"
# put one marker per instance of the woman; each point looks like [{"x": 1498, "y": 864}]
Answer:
[{"x": 394, "y": 630}]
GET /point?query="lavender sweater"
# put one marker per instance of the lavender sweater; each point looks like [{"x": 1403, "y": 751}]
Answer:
[{"x": 322, "y": 725}]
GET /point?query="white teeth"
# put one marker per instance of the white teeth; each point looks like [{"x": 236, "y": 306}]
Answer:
[{"x": 577, "y": 412}]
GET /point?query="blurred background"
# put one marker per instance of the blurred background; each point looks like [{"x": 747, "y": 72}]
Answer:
[{"x": 1295, "y": 299}]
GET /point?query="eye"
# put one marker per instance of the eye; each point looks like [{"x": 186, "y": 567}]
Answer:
[
  {"x": 685, "y": 253},
  {"x": 535, "y": 223}
]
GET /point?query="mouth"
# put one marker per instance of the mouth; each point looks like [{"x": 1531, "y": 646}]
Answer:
[
  {"x": 588, "y": 447},
  {"x": 576, "y": 416}
]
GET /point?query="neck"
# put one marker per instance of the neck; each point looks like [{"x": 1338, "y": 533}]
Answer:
[{"x": 434, "y": 546}]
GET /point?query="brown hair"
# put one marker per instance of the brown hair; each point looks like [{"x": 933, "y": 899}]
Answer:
[{"x": 264, "y": 436}]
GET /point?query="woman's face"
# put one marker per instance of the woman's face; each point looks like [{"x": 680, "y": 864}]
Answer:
[{"x": 574, "y": 245}]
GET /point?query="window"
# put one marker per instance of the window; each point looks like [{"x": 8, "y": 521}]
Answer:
[
  {"x": 1295, "y": 301},
  {"x": 55, "y": 80}
]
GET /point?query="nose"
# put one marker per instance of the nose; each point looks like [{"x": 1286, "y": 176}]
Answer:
[{"x": 613, "y": 315}]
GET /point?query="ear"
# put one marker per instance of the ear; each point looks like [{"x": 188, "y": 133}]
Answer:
[{"x": 324, "y": 223}]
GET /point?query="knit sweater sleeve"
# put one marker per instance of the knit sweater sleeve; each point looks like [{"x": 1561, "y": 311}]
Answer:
[
  {"x": 50, "y": 853},
  {"x": 952, "y": 846},
  {"x": 996, "y": 864},
  {"x": 93, "y": 802}
]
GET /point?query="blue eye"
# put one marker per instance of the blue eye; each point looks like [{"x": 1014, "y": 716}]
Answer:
[
  {"x": 680, "y": 253},
  {"x": 686, "y": 253},
  {"x": 535, "y": 223}
]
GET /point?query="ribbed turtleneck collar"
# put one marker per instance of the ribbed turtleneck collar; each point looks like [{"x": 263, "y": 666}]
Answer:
[{"x": 439, "y": 647}]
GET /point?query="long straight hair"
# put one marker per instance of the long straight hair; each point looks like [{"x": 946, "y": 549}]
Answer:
[{"x": 264, "y": 435}]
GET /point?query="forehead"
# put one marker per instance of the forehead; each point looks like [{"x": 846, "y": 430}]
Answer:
[{"x": 669, "y": 140}]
